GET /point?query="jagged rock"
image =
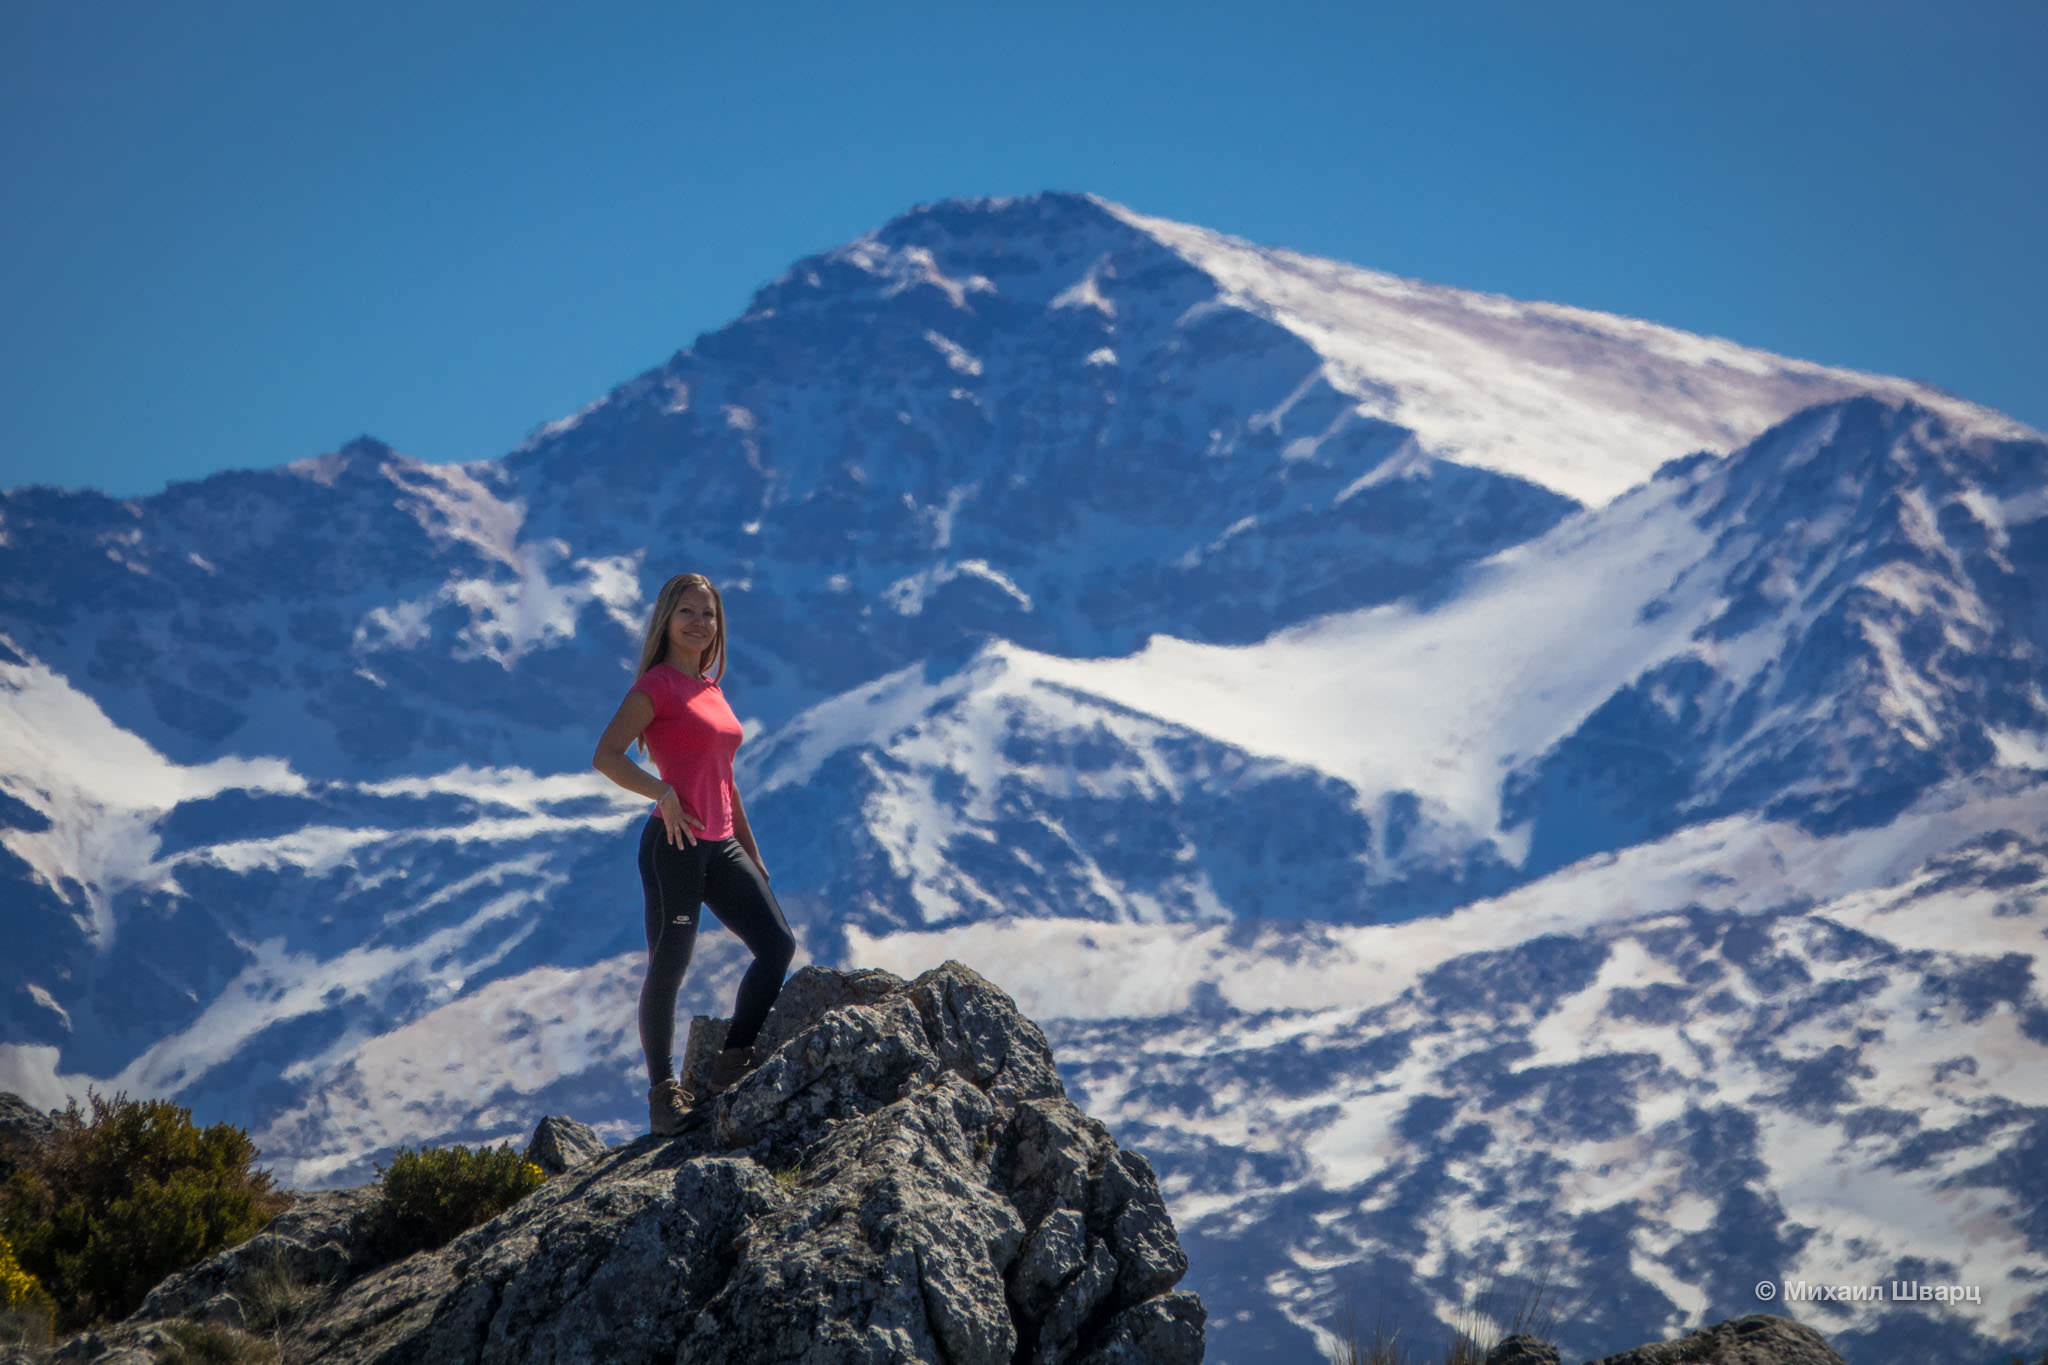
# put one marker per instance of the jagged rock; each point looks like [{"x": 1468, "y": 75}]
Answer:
[
  {"x": 807, "y": 995},
  {"x": 1759, "y": 1339},
  {"x": 321, "y": 1239},
  {"x": 901, "y": 1179},
  {"x": 153, "y": 1343},
  {"x": 1522, "y": 1349},
  {"x": 560, "y": 1142},
  {"x": 707, "y": 1036},
  {"x": 1150, "y": 1331},
  {"x": 22, "y": 1126},
  {"x": 804, "y": 999},
  {"x": 85, "y": 1346}
]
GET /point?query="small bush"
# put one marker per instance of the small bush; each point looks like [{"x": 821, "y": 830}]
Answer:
[
  {"x": 27, "y": 1312},
  {"x": 110, "y": 1205},
  {"x": 433, "y": 1195},
  {"x": 210, "y": 1343},
  {"x": 1500, "y": 1311},
  {"x": 273, "y": 1299}
]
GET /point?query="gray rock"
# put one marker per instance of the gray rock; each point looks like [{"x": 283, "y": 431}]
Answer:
[
  {"x": 157, "y": 1343},
  {"x": 149, "y": 1349},
  {"x": 852, "y": 1062},
  {"x": 560, "y": 1142},
  {"x": 1165, "y": 1328},
  {"x": 805, "y": 998},
  {"x": 1759, "y": 1339},
  {"x": 85, "y": 1346},
  {"x": 977, "y": 1031},
  {"x": 1522, "y": 1349},
  {"x": 901, "y": 1178},
  {"x": 22, "y": 1127},
  {"x": 321, "y": 1239},
  {"x": 707, "y": 1037}
]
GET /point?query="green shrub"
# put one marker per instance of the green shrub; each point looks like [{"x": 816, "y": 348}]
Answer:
[
  {"x": 27, "y": 1312},
  {"x": 109, "y": 1206},
  {"x": 433, "y": 1195}
]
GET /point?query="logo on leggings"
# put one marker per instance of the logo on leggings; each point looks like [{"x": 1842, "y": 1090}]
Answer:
[{"x": 680, "y": 919}]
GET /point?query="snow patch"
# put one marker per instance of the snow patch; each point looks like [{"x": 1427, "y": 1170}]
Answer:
[
  {"x": 451, "y": 503},
  {"x": 101, "y": 787},
  {"x": 1427, "y": 711},
  {"x": 1588, "y": 404},
  {"x": 906, "y": 596},
  {"x": 1086, "y": 292},
  {"x": 957, "y": 357},
  {"x": 561, "y": 426},
  {"x": 910, "y": 268},
  {"x": 511, "y": 618}
]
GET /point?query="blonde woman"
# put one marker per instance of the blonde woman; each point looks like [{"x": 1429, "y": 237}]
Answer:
[{"x": 696, "y": 847}]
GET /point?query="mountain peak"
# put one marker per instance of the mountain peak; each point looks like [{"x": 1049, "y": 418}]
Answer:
[
  {"x": 1022, "y": 250},
  {"x": 1583, "y": 403},
  {"x": 1015, "y": 216},
  {"x": 363, "y": 452},
  {"x": 1866, "y": 451}
]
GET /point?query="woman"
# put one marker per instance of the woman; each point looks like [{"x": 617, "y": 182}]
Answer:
[{"x": 696, "y": 846}]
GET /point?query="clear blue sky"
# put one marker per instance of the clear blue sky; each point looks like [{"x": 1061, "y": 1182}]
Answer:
[{"x": 241, "y": 233}]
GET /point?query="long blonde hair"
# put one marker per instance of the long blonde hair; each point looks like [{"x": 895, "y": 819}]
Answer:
[{"x": 655, "y": 644}]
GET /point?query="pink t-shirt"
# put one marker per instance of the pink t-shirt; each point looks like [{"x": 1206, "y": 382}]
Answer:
[{"x": 693, "y": 738}]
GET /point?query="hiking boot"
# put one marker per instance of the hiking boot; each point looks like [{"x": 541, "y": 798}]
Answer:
[
  {"x": 667, "y": 1105},
  {"x": 727, "y": 1067}
]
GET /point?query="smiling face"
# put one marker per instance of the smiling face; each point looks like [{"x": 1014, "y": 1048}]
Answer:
[{"x": 692, "y": 629}]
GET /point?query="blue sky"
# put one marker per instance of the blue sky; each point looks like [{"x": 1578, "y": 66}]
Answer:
[{"x": 239, "y": 234}]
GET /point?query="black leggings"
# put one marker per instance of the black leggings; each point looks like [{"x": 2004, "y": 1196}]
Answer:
[{"x": 676, "y": 881}]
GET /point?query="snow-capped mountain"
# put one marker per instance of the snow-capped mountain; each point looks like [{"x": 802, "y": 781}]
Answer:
[
  {"x": 1350, "y": 712},
  {"x": 1822, "y": 626},
  {"x": 1652, "y": 1114}
]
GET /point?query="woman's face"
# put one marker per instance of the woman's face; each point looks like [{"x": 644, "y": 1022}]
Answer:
[{"x": 691, "y": 627}]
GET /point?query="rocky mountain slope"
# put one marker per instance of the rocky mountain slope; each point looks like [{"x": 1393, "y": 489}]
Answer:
[
  {"x": 901, "y": 1179},
  {"x": 1675, "y": 1108},
  {"x": 1049, "y": 419}
]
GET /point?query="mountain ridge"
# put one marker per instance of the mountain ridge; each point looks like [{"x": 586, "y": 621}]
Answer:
[{"x": 1100, "y": 622}]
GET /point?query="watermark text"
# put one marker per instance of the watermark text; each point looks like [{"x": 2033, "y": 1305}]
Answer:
[{"x": 1893, "y": 1291}]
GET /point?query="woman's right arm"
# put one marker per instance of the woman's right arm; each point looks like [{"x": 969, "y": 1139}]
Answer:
[{"x": 611, "y": 759}]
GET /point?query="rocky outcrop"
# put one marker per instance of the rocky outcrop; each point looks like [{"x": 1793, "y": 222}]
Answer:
[
  {"x": 22, "y": 1128},
  {"x": 1521, "y": 1349},
  {"x": 561, "y": 1142},
  {"x": 1759, "y": 1339},
  {"x": 902, "y": 1178},
  {"x": 323, "y": 1238}
]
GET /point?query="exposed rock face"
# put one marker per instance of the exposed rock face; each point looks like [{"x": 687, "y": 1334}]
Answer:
[
  {"x": 22, "y": 1127},
  {"x": 1759, "y": 1339},
  {"x": 1521, "y": 1349},
  {"x": 322, "y": 1239},
  {"x": 901, "y": 1179},
  {"x": 560, "y": 1143}
]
